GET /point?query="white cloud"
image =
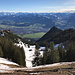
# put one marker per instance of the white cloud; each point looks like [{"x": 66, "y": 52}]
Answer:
[{"x": 67, "y": 10}]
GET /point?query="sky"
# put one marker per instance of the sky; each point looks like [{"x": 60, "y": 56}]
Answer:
[{"x": 37, "y": 5}]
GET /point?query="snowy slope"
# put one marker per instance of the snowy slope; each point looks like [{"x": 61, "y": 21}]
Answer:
[
  {"x": 5, "y": 68},
  {"x": 29, "y": 53},
  {"x": 4, "y": 64},
  {"x": 5, "y": 61}
]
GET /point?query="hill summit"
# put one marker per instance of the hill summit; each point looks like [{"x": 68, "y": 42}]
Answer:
[
  {"x": 51, "y": 33},
  {"x": 58, "y": 36}
]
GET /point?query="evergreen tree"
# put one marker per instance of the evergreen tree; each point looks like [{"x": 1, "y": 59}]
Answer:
[
  {"x": 52, "y": 45},
  {"x": 1, "y": 52},
  {"x": 54, "y": 54},
  {"x": 38, "y": 59},
  {"x": 71, "y": 52},
  {"x": 19, "y": 56},
  {"x": 11, "y": 51},
  {"x": 37, "y": 46},
  {"x": 47, "y": 56},
  {"x": 62, "y": 53}
]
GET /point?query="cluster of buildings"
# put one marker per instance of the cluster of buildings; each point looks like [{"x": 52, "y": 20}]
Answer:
[{"x": 2, "y": 32}]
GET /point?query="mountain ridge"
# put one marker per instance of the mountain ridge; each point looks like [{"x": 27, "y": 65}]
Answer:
[
  {"x": 30, "y": 23},
  {"x": 60, "y": 37},
  {"x": 51, "y": 33}
]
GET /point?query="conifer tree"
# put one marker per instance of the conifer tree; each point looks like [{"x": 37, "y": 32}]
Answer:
[
  {"x": 38, "y": 59},
  {"x": 62, "y": 53},
  {"x": 1, "y": 52},
  {"x": 11, "y": 51},
  {"x": 54, "y": 54},
  {"x": 47, "y": 56},
  {"x": 71, "y": 52}
]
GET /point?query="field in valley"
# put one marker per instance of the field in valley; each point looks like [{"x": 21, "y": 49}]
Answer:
[{"x": 35, "y": 35}]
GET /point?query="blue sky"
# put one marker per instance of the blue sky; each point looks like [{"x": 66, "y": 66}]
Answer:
[{"x": 37, "y": 5}]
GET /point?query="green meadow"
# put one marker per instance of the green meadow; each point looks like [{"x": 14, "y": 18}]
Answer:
[{"x": 35, "y": 35}]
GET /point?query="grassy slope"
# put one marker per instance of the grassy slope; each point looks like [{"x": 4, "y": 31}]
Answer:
[{"x": 35, "y": 35}]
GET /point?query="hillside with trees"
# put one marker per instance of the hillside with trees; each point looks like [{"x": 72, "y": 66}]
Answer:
[
  {"x": 65, "y": 41},
  {"x": 58, "y": 35},
  {"x": 10, "y": 51},
  {"x": 65, "y": 51},
  {"x": 54, "y": 59},
  {"x": 50, "y": 34}
]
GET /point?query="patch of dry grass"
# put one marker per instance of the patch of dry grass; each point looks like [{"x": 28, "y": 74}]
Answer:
[{"x": 63, "y": 69}]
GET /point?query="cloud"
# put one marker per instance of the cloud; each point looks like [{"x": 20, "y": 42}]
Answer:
[
  {"x": 67, "y": 10},
  {"x": 69, "y": 3}
]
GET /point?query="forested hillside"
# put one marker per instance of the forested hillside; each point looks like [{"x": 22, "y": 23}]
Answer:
[
  {"x": 10, "y": 51},
  {"x": 59, "y": 45},
  {"x": 50, "y": 34},
  {"x": 58, "y": 36},
  {"x": 65, "y": 51}
]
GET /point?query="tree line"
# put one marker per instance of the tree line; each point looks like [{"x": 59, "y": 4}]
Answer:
[
  {"x": 52, "y": 55},
  {"x": 9, "y": 51}
]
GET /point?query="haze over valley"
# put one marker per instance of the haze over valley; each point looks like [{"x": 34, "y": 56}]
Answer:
[{"x": 35, "y": 25}]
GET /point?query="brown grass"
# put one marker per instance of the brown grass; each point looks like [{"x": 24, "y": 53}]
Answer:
[{"x": 68, "y": 69}]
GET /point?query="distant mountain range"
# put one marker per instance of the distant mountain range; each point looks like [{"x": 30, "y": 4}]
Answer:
[{"x": 29, "y": 23}]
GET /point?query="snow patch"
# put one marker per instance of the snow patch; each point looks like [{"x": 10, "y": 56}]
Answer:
[
  {"x": 2, "y": 66},
  {"x": 29, "y": 52},
  {"x": 5, "y": 61}
]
